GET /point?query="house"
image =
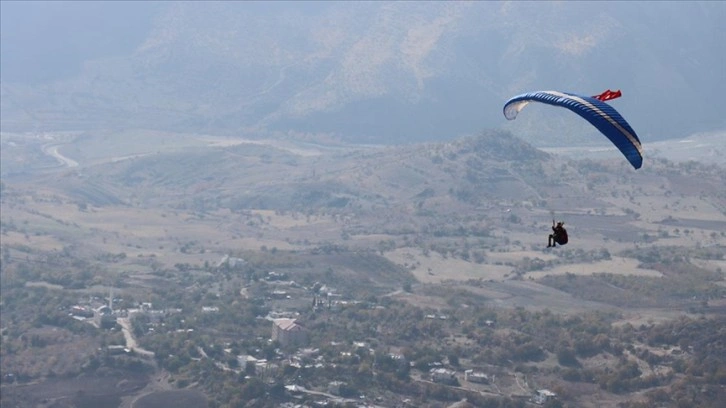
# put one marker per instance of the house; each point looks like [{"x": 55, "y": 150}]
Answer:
[
  {"x": 288, "y": 333},
  {"x": 81, "y": 311},
  {"x": 247, "y": 363},
  {"x": 476, "y": 377},
  {"x": 104, "y": 317},
  {"x": 442, "y": 375},
  {"x": 542, "y": 396},
  {"x": 231, "y": 262},
  {"x": 280, "y": 294}
]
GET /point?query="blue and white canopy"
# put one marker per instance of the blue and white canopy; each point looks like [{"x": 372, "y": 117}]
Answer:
[{"x": 601, "y": 115}]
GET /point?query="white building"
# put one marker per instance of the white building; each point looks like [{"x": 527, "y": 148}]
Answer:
[
  {"x": 442, "y": 375},
  {"x": 542, "y": 396},
  {"x": 476, "y": 377}
]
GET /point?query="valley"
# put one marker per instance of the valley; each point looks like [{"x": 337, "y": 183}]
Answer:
[{"x": 385, "y": 237}]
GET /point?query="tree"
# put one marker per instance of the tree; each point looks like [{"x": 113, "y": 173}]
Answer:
[
  {"x": 254, "y": 388},
  {"x": 566, "y": 357}
]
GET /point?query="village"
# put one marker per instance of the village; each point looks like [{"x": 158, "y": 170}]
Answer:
[{"x": 293, "y": 348}]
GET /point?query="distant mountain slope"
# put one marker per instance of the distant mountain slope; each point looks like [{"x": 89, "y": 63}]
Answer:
[
  {"x": 479, "y": 182},
  {"x": 392, "y": 72},
  {"x": 470, "y": 171}
]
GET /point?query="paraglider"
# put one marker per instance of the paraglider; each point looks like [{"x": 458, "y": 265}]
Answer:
[
  {"x": 558, "y": 235},
  {"x": 591, "y": 108}
]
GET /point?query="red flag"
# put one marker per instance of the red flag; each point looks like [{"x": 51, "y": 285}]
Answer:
[{"x": 607, "y": 95}]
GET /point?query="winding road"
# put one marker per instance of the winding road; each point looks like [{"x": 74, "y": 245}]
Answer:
[{"x": 52, "y": 150}]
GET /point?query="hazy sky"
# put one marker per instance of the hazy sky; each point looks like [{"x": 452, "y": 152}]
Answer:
[{"x": 49, "y": 40}]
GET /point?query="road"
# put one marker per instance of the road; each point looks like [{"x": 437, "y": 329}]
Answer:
[
  {"x": 52, "y": 150},
  {"x": 129, "y": 336}
]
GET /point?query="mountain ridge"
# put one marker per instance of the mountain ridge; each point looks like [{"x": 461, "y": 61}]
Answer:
[{"x": 391, "y": 72}]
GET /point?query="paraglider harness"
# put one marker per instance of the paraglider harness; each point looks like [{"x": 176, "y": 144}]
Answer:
[{"x": 558, "y": 236}]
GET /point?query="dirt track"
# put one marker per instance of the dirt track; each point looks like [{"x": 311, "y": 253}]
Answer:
[{"x": 130, "y": 340}]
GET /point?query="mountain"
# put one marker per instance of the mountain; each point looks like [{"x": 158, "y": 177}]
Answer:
[
  {"x": 490, "y": 187},
  {"x": 364, "y": 72}
]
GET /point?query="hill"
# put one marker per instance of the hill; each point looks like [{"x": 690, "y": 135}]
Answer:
[{"x": 485, "y": 185}]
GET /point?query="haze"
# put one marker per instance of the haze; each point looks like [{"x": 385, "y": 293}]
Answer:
[{"x": 366, "y": 72}]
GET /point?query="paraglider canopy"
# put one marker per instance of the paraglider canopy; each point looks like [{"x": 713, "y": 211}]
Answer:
[{"x": 601, "y": 115}]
